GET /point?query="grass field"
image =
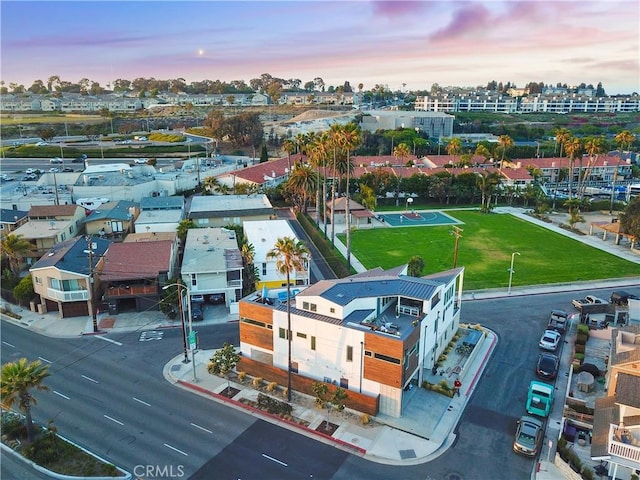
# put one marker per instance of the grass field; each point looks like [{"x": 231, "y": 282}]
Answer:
[{"x": 485, "y": 250}]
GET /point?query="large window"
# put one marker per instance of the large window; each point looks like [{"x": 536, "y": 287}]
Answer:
[{"x": 65, "y": 285}]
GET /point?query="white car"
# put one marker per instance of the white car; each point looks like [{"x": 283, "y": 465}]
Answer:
[
  {"x": 141, "y": 161},
  {"x": 550, "y": 340},
  {"x": 54, "y": 170},
  {"x": 41, "y": 144},
  {"x": 56, "y": 160},
  {"x": 29, "y": 171}
]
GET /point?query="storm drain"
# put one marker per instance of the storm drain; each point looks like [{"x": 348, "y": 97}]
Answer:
[
  {"x": 404, "y": 454},
  {"x": 176, "y": 368}
]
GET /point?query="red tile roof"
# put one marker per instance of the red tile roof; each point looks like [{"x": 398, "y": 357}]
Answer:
[
  {"x": 136, "y": 260},
  {"x": 256, "y": 173},
  {"x": 53, "y": 210}
]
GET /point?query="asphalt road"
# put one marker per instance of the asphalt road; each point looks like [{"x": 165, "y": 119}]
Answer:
[{"x": 113, "y": 400}]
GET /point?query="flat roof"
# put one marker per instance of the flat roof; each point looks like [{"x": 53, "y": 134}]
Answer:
[
  {"x": 159, "y": 216},
  {"x": 211, "y": 250},
  {"x": 42, "y": 228},
  {"x": 263, "y": 234},
  {"x": 229, "y": 205}
]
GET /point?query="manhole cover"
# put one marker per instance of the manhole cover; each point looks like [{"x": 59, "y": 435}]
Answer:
[{"x": 404, "y": 454}]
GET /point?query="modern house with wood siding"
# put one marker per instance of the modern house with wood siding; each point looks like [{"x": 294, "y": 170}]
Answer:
[{"x": 375, "y": 334}]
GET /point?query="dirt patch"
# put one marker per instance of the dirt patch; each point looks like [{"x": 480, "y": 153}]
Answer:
[
  {"x": 229, "y": 392},
  {"x": 107, "y": 322},
  {"x": 327, "y": 428}
]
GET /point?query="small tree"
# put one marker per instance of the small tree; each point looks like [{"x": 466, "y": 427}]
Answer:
[
  {"x": 415, "y": 266},
  {"x": 223, "y": 361},
  {"x": 24, "y": 290},
  {"x": 264, "y": 155},
  {"x": 320, "y": 389}
]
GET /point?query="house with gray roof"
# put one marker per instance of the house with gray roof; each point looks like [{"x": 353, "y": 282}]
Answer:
[
  {"x": 374, "y": 334},
  {"x": 11, "y": 219},
  {"x": 61, "y": 277},
  {"x": 112, "y": 219}
]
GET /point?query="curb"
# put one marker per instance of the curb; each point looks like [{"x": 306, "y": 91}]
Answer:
[{"x": 271, "y": 416}]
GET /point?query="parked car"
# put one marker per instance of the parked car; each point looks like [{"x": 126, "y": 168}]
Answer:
[
  {"x": 79, "y": 159},
  {"x": 621, "y": 297},
  {"x": 196, "y": 312},
  {"x": 41, "y": 144},
  {"x": 141, "y": 161},
  {"x": 67, "y": 169},
  {"x": 29, "y": 171},
  {"x": 547, "y": 366},
  {"x": 56, "y": 160},
  {"x": 550, "y": 340},
  {"x": 216, "y": 298},
  {"x": 528, "y": 436},
  {"x": 54, "y": 170},
  {"x": 539, "y": 399},
  {"x": 197, "y": 298},
  {"x": 558, "y": 321}
]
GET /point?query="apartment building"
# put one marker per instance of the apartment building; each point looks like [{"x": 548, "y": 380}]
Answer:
[{"x": 373, "y": 334}]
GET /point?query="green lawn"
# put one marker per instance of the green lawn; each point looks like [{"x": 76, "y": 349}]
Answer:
[{"x": 485, "y": 250}]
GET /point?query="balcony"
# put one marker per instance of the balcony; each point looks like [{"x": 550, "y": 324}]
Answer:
[
  {"x": 234, "y": 283},
  {"x": 68, "y": 295},
  {"x": 123, "y": 291},
  {"x": 624, "y": 442}
]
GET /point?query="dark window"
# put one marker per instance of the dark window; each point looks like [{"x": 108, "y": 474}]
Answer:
[
  {"x": 313, "y": 343},
  {"x": 387, "y": 358},
  {"x": 349, "y": 353}
]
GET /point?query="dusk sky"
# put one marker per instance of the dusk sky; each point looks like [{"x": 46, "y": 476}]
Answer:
[{"x": 387, "y": 42}]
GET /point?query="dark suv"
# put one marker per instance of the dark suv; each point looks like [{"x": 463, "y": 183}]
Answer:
[
  {"x": 621, "y": 297},
  {"x": 196, "y": 312}
]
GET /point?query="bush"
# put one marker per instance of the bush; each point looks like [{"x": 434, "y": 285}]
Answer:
[
  {"x": 242, "y": 376},
  {"x": 587, "y": 473},
  {"x": 14, "y": 428},
  {"x": 274, "y": 406},
  {"x": 583, "y": 329},
  {"x": 272, "y": 386},
  {"x": 365, "y": 419},
  {"x": 580, "y": 348},
  {"x": 257, "y": 382}
]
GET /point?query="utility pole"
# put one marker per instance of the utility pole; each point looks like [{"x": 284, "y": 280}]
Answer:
[
  {"x": 92, "y": 290},
  {"x": 613, "y": 188},
  {"x": 457, "y": 232}
]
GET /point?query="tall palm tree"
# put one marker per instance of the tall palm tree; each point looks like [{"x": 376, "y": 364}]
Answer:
[
  {"x": 251, "y": 274},
  {"x": 401, "y": 151},
  {"x": 291, "y": 256},
  {"x": 18, "y": 378},
  {"x": 573, "y": 147},
  {"x": 333, "y": 142},
  {"x": 562, "y": 137},
  {"x": 593, "y": 146},
  {"x": 487, "y": 183},
  {"x": 289, "y": 146},
  {"x": 505, "y": 142},
  {"x": 349, "y": 139},
  {"x": 318, "y": 155},
  {"x": 212, "y": 184},
  {"x": 15, "y": 248}
]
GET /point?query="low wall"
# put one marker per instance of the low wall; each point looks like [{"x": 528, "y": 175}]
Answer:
[{"x": 355, "y": 401}]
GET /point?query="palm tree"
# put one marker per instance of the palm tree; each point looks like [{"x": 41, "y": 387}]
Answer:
[
  {"x": 506, "y": 142},
  {"x": 289, "y": 146},
  {"x": 573, "y": 147},
  {"x": 454, "y": 147},
  {"x": 625, "y": 137},
  {"x": 349, "y": 139},
  {"x": 18, "y": 378},
  {"x": 401, "y": 151},
  {"x": 212, "y": 184},
  {"x": 562, "y": 137},
  {"x": 487, "y": 183},
  {"x": 14, "y": 248},
  {"x": 291, "y": 256},
  {"x": 251, "y": 274},
  {"x": 333, "y": 143},
  {"x": 318, "y": 154},
  {"x": 594, "y": 146},
  {"x": 301, "y": 184}
]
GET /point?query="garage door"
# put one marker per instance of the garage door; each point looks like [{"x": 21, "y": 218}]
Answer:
[{"x": 74, "y": 309}]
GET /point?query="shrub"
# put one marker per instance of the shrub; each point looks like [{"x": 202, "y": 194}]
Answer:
[
  {"x": 365, "y": 419},
  {"x": 241, "y": 376},
  {"x": 581, "y": 339},
  {"x": 579, "y": 356},
  {"x": 583, "y": 329},
  {"x": 257, "y": 382},
  {"x": 274, "y": 406},
  {"x": 285, "y": 392},
  {"x": 272, "y": 386},
  {"x": 580, "y": 348},
  {"x": 587, "y": 473}
]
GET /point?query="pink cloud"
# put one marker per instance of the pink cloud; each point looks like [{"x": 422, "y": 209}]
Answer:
[
  {"x": 396, "y": 9},
  {"x": 468, "y": 20}
]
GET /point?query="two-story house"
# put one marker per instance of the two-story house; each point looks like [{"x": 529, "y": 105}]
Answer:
[
  {"x": 112, "y": 219},
  {"x": 61, "y": 278},
  {"x": 616, "y": 420},
  {"x": 49, "y": 225},
  {"x": 374, "y": 334},
  {"x": 133, "y": 274},
  {"x": 263, "y": 235}
]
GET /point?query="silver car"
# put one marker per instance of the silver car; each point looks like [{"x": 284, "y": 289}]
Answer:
[{"x": 528, "y": 435}]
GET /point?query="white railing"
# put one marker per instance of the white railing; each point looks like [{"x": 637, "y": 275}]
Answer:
[
  {"x": 68, "y": 296},
  {"x": 234, "y": 283},
  {"x": 622, "y": 449}
]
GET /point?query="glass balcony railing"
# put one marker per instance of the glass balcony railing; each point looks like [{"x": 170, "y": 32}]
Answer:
[{"x": 68, "y": 295}]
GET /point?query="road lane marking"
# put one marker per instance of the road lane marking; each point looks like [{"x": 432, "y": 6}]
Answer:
[
  {"x": 274, "y": 460},
  {"x": 113, "y": 420},
  {"x": 89, "y": 378},
  {"x": 44, "y": 360},
  {"x": 201, "y": 428},
  {"x": 8, "y": 344},
  {"x": 107, "y": 340},
  {"x": 144, "y": 403},
  {"x": 61, "y": 395},
  {"x": 174, "y": 448}
]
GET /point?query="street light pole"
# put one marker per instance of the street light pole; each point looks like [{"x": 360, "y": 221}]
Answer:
[
  {"x": 184, "y": 328},
  {"x": 513, "y": 256},
  {"x": 181, "y": 312}
]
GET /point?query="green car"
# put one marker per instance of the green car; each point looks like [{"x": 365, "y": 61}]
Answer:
[{"x": 539, "y": 399}]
